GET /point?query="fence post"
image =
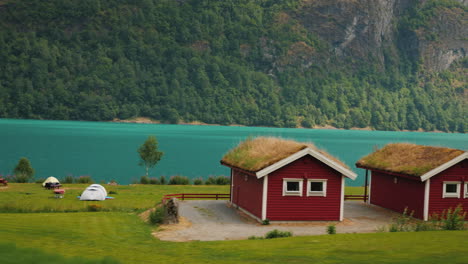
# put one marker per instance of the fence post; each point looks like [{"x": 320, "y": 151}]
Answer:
[{"x": 183, "y": 196}]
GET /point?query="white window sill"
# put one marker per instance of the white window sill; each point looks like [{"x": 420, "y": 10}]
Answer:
[
  {"x": 316, "y": 194},
  {"x": 451, "y": 196},
  {"x": 292, "y": 194}
]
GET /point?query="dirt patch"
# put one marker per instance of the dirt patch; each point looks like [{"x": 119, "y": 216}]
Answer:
[
  {"x": 145, "y": 215},
  {"x": 166, "y": 232}
]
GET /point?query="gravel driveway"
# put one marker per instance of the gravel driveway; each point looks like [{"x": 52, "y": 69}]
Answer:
[{"x": 216, "y": 220}]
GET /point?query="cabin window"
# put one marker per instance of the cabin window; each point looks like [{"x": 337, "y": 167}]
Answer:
[
  {"x": 317, "y": 187},
  {"x": 466, "y": 190},
  {"x": 292, "y": 187},
  {"x": 451, "y": 190}
]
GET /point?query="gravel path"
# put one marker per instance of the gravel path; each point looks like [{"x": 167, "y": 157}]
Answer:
[{"x": 216, "y": 220}]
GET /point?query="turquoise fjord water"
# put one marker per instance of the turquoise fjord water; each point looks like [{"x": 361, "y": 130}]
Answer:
[{"x": 108, "y": 151}]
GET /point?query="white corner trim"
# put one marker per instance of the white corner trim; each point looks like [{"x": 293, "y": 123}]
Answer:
[
  {"x": 290, "y": 193},
  {"x": 307, "y": 151},
  {"x": 342, "y": 197},
  {"x": 369, "y": 187},
  {"x": 444, "y": 166},
  {"x": 427, "y": 189},
  {"x": 232, "y": 185},
  {"x": 445, "y": 194},
  {"x": 322, "y": 193},
  {"x": 264, "y": 197}
]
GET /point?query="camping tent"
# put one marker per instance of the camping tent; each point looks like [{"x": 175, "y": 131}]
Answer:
[
  {"x": 94, "y": 192},
  {"x": 51, "y": 180},
  {"x": 98, "y": 186}
]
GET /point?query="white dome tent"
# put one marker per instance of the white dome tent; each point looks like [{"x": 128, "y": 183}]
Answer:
[
  {"x": 51, "y": 180},
  {"x": 94, "y": 192},
  {"x": 98, "y": 186}
]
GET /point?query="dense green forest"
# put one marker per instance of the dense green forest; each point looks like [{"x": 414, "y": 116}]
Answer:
[{"x": 225, "y": 62}]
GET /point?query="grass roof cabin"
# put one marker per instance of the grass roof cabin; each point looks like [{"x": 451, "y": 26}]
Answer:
[
  {"x": 285, "y": 180},
  {"x": 424, "y": 179}
]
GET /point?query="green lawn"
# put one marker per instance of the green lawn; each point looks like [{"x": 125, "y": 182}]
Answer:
[
  {"x": 124, "y": 237},
  {"x": 30, "y": 197},
  {"x": 103, "y": 237}
]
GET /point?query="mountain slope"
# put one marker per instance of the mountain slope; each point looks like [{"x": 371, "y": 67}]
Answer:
[{"x": 388, "y": 65}]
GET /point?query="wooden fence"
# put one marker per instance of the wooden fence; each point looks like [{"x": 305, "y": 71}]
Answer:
[
  {"x": 356, "y": 197},
  {"x": 218, "y": 196},
  {"x": 183, "y": 196}
]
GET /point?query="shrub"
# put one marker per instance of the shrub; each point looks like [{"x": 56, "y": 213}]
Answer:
[
  {"x": 266, "y": 222},
  {"x": 402, "y": 223},
  {"x": 153, "y": 181},
  {"x": 198, "y": 181},
  {"x": 179, "y": 180},
  {"x": 68, "y": 179},
  {"x": 40, "y": 180},
  {"x": 453, "y": 219},
  {"x": 331, "y": 229},
  {"x": 276, "y": 233},
  {"x": 255, "y": 238},
  {"x": 217, "y": 180},
  {"x": 156, "y": 216},
  {"x": 94, "y": 207},
  {"x": 20, "y": 178},
  {"x": 84, "y": 179},
  {"x": 23, "y": 170},
  {"x": 144, "y": 180},
  {"x": 162, "y": 180}
]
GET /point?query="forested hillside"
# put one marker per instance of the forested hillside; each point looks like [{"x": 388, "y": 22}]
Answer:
[{"x": 257, "y": 63}]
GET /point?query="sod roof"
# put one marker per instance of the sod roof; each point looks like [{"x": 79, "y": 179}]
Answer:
[
  {"x": 408, "y": 159},
  {"x": 255, "y": 154}
]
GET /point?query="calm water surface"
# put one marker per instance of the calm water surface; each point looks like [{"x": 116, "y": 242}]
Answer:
[{"x": 108, "y": 151}]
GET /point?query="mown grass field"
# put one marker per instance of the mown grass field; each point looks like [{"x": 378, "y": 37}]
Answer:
[
  {"x": 121, "y": 236},
  {"x": 31, "y": 197}
]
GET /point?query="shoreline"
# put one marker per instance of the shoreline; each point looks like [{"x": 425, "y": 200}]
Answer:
[{"x": 146, "y": 120}]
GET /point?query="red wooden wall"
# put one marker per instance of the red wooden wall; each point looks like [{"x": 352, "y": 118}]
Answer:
[
  {"x": 304, "y": 208},
  {"x": 247, "y": 194},
  {"x": 397, "y": 196},
  {"x": 437, "y": 204}
]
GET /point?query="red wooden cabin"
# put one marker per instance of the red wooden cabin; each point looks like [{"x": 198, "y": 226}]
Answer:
[
  {"x": 425, "y": 180},
  {"x": 296, "y": 183}
]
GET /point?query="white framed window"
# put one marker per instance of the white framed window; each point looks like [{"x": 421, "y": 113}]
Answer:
[
  {"x": 317, "y": 187},
  {"x": 451, "y": 189},
  {"x": 466, "y": 190},
  {"x": 292, "y": 187}
]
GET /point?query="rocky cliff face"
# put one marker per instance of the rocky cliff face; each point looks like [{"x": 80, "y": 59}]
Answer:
[{"x": 369, "y": 30}]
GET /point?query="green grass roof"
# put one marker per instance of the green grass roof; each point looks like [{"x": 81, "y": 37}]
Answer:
[
  {"x": 258, "y": 153},
  {"x": 408, "y": 159}
]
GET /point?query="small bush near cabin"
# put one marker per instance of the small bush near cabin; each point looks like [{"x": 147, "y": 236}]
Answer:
[
  {"x": 276, "y": 233},
  {"x": 198, "y": 181},
  {"x": 331, "y": 229},
  {"x": 453, "y": 219},
  {"x": 266, "y": 222},
  {"x": 179, "y": 180}
]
